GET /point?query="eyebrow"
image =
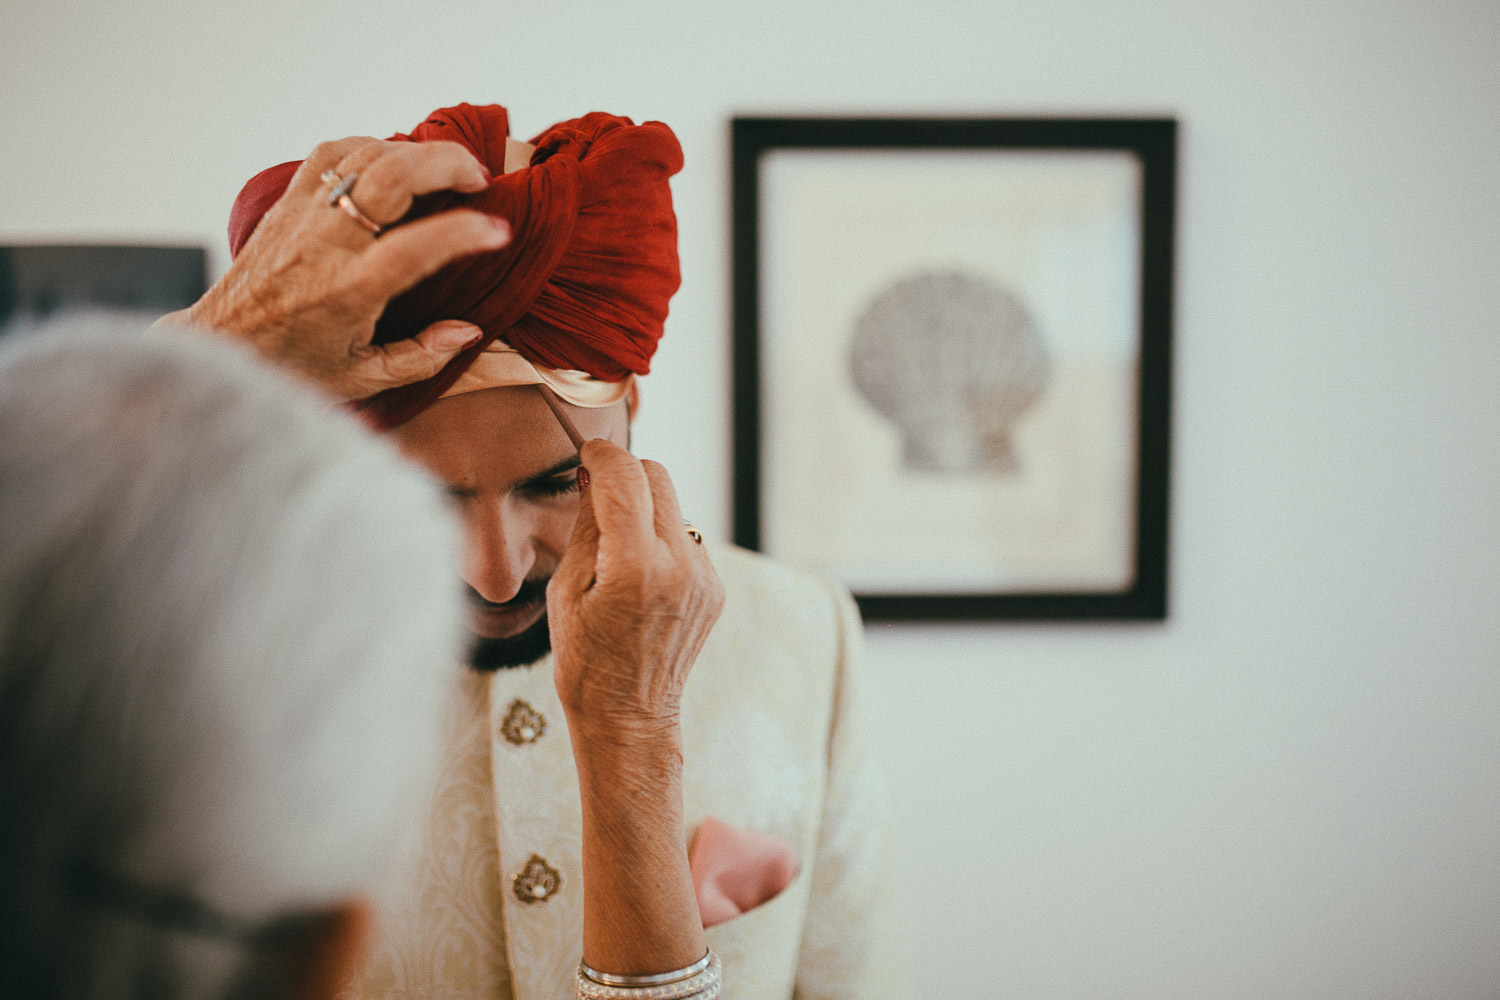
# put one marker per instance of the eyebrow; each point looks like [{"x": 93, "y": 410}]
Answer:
[{"x": 566, "y": 465}]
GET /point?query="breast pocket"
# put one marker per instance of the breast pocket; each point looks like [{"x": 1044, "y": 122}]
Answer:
[{"x": 759, "y": 947}]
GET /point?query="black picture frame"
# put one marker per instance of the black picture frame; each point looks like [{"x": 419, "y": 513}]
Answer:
[{"x": 1153, "y": 142}]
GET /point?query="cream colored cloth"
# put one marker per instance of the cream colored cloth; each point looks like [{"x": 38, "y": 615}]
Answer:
[
  {"x": 776, "y": 739},
  {"x": 500, "y": 365},
  {"x": 441, "y": 927}
]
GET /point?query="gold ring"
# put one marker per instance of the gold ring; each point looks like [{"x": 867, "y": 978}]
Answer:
[
  {"x": 693, "y": 533},
  {"x": 339, "y": 195}
]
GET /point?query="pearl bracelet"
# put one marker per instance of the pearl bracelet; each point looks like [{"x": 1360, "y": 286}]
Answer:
[{"x": 699, "y": 981}]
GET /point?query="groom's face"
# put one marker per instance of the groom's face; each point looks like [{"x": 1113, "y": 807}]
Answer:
[{"x": 513, "y": 475}]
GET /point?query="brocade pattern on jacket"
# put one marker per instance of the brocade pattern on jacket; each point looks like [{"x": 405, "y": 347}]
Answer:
[{"x": 776, "y": 738}]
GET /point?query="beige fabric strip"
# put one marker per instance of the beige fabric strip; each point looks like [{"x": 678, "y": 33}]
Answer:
[{"x": 501, "y": 365}]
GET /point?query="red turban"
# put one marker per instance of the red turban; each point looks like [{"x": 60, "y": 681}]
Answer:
[{"x": 592, "y": 262}]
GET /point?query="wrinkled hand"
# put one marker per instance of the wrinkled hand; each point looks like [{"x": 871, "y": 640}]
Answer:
[
  {"x": 631, "y": 603},
  {"x": 309, "y": 285}
]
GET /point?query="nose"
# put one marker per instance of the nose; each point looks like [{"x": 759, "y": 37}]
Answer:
[{"x": 499, "y": 550}]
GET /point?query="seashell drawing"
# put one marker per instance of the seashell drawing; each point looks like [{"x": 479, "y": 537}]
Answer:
[{"x": 953, "y": 360}]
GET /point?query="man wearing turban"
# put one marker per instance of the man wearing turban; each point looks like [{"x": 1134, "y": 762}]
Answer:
[{"x": 764, "y": 751}]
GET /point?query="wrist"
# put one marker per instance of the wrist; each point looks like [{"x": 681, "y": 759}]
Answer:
[
  {"x": 625, "y": 731},
  {"x": 222, "y": 312},
  {"x": 616, "y": 749},
  {"x": 627, "y": 741},
  {"x": 205, "y": 314}
]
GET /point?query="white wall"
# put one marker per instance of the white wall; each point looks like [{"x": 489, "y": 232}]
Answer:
[{"x": 1290, "y": 789}]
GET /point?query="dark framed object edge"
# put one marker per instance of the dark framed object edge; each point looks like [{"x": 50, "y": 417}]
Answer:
[{"x": 1154, "y": 142}]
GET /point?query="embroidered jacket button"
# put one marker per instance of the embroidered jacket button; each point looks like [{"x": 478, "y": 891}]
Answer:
[
  {"x": 537, "y": 882},
  {"x": 522, "y": 724}
]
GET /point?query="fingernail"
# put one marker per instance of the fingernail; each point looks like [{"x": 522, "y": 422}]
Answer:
[
  {"x": 502, "y": 230},
  {"x": 583, "y": 478},
  {"x": 457, "y": 336}
]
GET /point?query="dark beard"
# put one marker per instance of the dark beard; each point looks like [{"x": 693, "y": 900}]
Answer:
[{"x": 521, "y": 650}]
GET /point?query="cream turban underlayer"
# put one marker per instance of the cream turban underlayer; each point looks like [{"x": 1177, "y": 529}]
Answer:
[{"x": 501, "y": 365}]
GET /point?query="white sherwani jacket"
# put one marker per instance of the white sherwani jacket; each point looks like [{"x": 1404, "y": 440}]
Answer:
[{"x": 775, "y": 739}]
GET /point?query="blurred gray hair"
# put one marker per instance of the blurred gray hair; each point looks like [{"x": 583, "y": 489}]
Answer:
[{"x": 229, "y": 628}]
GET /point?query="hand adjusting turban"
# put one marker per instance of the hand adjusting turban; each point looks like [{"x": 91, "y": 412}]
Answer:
[{"x": 579, "y": 295}]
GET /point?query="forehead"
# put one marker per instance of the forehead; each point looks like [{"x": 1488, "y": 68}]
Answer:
[{"x": 498, "y": 437}]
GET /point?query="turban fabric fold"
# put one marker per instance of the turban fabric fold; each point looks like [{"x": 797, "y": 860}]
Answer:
[{"x": 583, "y": 286}]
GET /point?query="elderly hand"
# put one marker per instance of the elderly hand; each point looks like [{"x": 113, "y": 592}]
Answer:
[
  {"x": 630, "y": 604},
  {"x": 309, "y": 285}
]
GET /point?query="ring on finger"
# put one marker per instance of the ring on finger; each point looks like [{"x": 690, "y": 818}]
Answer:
[
  {"x": 338, "y": 195},
  {"x": 693, "y": 533}
]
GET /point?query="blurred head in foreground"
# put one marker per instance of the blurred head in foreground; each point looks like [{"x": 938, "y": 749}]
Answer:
[{"x": 220, "y": 606}]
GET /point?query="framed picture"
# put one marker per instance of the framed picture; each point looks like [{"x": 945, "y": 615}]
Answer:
[
  {"x": 952, "y": 360},
  {"x": 37, "y": 280}
]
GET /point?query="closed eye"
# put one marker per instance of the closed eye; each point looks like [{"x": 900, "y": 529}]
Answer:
[{"x": 555, "y": 486}]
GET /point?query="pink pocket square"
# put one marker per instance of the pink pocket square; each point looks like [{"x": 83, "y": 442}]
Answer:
[{"x": 736, "y": 870}]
